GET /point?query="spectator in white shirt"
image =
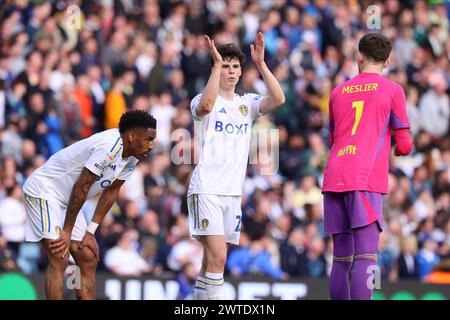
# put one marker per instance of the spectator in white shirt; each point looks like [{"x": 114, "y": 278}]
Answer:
[
  {"x": 124, "y": 259},
  {"x": 435, "y": 107},
  {"x": 12, "y": 218}
]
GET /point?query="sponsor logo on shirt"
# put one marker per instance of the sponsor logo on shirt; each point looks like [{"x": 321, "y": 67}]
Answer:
[
  {"x": 243, "y": 109},
  {"x": 231, "y": 128},
  {"x": 105, "y": 162},
  {"x": 347, "y": 150}
]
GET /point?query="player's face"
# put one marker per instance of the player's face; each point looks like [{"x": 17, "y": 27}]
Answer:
[
  {"x": 143, "y": 142},
  {"x": 230, "y": 74}
]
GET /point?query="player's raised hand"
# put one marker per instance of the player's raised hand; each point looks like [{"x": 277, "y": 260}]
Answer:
[
  {"x": 89, "y": 242},
  {"x": 60, "y": 245},
  {"x": 257, "y": 49},
  {"x": 214, "y": 53}
]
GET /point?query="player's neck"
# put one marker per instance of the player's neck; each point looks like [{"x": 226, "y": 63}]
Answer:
[
  {"x": 371, "y": 68},
  {"x": 125, "y": 152},
  {"x": 227, "y": 94}
]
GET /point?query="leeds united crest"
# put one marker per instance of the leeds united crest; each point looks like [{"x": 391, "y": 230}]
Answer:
[
  {"x": 243, "y": 109},
  {"x": 204, "y": 223}
]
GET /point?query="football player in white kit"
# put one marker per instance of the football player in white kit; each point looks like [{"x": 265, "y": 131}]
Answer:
[
  {"x": 215, "y": 190},
  {"x": 56, "y": 191}
]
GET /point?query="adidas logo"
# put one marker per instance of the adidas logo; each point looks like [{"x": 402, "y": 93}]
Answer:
[{"x": 223, "y": 110}]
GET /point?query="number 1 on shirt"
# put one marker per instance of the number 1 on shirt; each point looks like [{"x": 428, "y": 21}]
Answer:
[{"x": 358, "y": 105}]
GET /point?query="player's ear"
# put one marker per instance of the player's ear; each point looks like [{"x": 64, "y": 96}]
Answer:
[
  {"x": 131, "y": 135},
  {"x": 387, "y": 62},
  {"x": 360, "y": 58}
]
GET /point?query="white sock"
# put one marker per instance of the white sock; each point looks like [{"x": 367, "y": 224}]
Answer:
[
  {"x": 214, "y": 286},
  {"x": 200, "y": 289}
]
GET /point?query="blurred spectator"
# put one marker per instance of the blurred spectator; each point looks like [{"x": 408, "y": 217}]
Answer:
[
  {"x": 385, "y": 257},
  {"x": 404, "y": 47},
  {"x": 307, "y": 193},
  {"x": 316, "y": 263},
  {"x": 253, "y": 258},
  {"x": 435, "y": 107},
  {"x": 53, "y": 139},
  {"x": 186, "y": 280},
  {"x": 414, "y": 115},
  {"x": 427, "y": 258},
  {"x": 115, "y": 104},
  {"x": 187, "y": 251},
  {"x": 406, "y": 262},
  {"x": 293, "y": 254},
  {"x": 12, "y": 219},
  {"x": 7, "y": 262},
  {"x": 123, "y": 259},
  {"x": 164, "y": 111},
  {"x": 85, "y": 102},
  {"x": 12, "y": 143},
  {"x": 149, "y": 253},
  {"x": 69, "y": 115}
]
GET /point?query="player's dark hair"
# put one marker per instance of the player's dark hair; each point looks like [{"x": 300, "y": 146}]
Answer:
[
  {"x": 230, "y": 51},
  {"x": 136, "y": 119},
  {"x": 375, "y": 47}
]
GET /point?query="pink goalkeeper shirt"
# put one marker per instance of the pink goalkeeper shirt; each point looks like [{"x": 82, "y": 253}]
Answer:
[{"x": 362, "y": 113}]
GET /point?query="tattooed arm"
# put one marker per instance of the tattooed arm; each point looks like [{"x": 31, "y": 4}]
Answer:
[
  {"x": 107, "y": 198},
  {"x": 77, "y": 198},
  {"x": 106, "y": 201}
]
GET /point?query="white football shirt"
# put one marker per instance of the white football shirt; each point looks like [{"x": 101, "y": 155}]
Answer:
[
  {"x": 101, "y": 153},
  {"x": 224, "y": 135}
]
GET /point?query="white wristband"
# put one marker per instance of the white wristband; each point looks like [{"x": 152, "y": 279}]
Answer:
[{"x": 92, "y": 227}]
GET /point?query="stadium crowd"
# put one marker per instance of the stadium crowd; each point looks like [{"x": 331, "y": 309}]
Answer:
[{"x": 60, "y": 84}]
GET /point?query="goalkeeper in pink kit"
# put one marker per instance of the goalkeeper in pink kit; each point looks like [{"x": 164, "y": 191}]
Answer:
[{"x": 364, "y": 112}]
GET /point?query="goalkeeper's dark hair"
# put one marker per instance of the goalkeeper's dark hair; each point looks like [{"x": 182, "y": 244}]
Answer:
[
  {"x": 375, "y": 47},
  {"x": 136, "y": 119},
  {"x": 230, "y": 51}
]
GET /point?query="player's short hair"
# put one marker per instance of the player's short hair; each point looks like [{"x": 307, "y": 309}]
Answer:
[
  {"x": 375, "y": 47},
  {"x": 136, "y": 119},
  {"x": 230, "y": 51}
]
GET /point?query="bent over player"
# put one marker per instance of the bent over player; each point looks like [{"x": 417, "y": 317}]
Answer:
[
  {"x": 56, "y": 191},
  {"x": 215, "y": 190},
  {"x": 363, "y": 113}
]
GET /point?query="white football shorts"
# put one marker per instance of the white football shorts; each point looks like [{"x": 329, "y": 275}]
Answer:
[
  {"x": 45, "y": 217},
  {"x": 211, "y": 214}
]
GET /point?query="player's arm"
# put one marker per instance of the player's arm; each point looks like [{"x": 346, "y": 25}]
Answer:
[
  {"x": 211, "y": 91},
  {"x": 403, "y": 142},
  {"x": 77, "y": 198},
  {"x": 399, "y": 123},
  {"x": 330, "y": 122},
  {"x": 276, "y": 95},
  {"x": 105, "y": 202}
]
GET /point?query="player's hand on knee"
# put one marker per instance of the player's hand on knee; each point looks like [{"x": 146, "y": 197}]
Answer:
[
  {"x": 60, "y": 245},
  {"x": 89, "y": 242}
]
